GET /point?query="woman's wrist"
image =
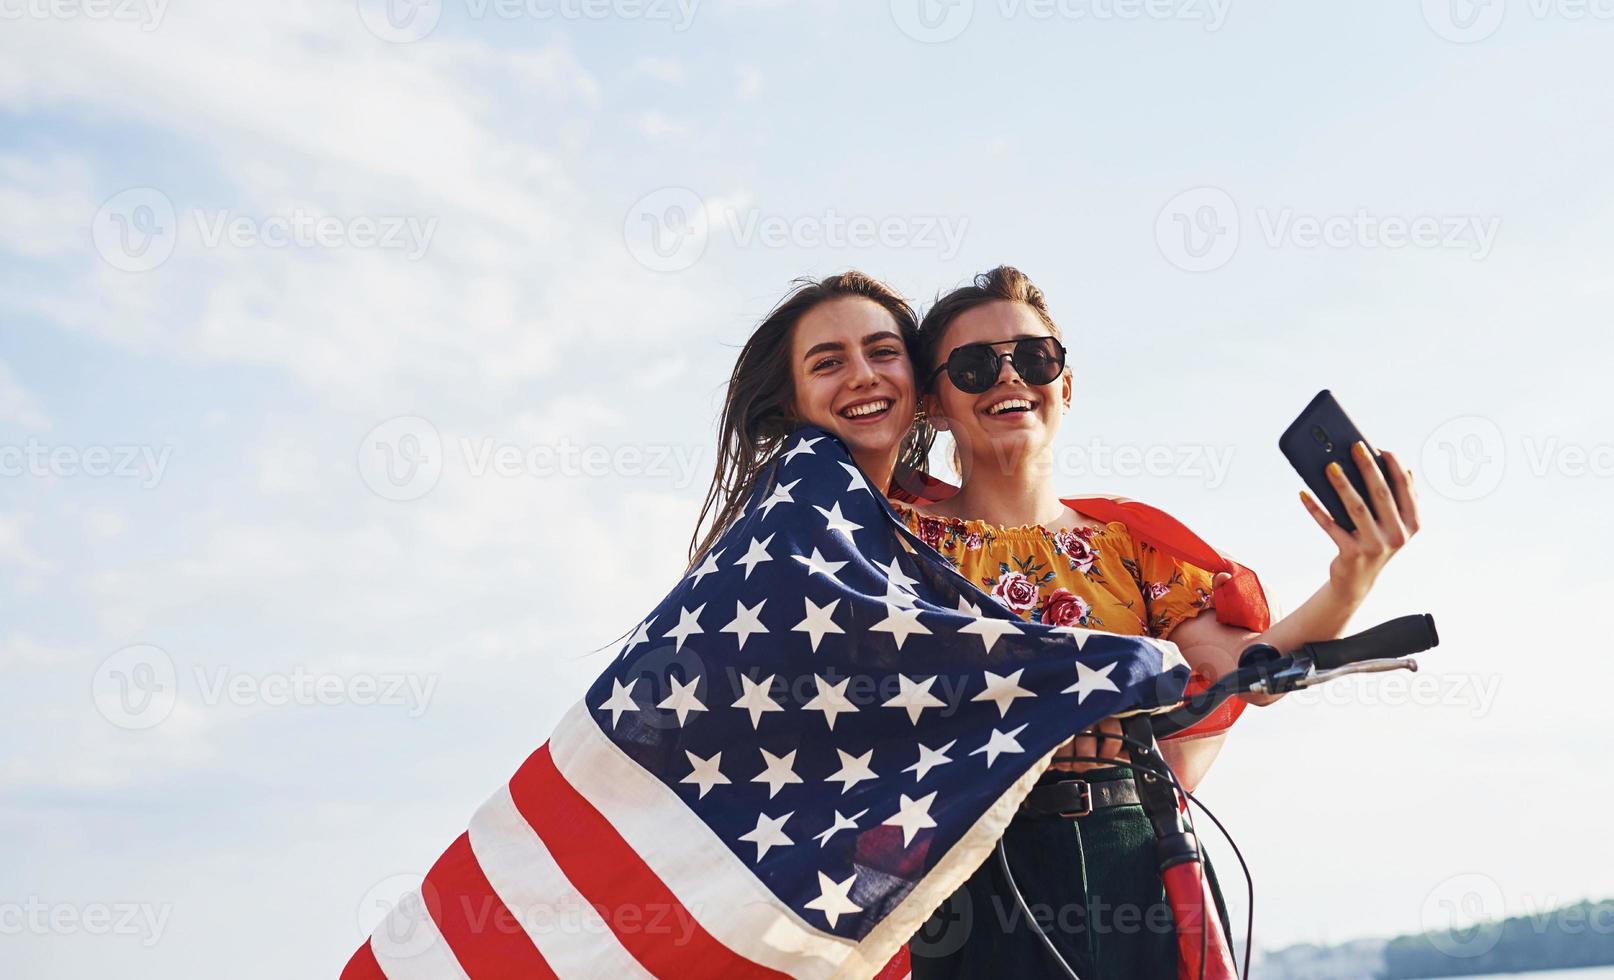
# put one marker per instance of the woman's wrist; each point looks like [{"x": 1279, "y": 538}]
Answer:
[{"x": 1340, "y": 602}]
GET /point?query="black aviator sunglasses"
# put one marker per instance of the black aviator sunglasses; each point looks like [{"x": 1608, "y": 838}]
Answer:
[{"x": 974, "y": 368}]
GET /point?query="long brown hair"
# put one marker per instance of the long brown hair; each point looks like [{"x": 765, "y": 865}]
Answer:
[{"x": 759, "y": 412}]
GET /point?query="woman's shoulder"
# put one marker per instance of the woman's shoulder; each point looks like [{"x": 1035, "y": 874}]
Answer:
[{"x": 1070, "y": 522}]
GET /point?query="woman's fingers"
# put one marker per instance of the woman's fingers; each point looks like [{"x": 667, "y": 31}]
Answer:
[
  {"x": 1102, "y": 741},
  {"x": 1110, "y": 745},
  {"x": 1389, "y": 515},
  {"x": 1405, "y": 499},
  {"x": 1366, "y": 534},
  {"x": 1084, "y": 747},
  {"x": 1342, "y": 538}
]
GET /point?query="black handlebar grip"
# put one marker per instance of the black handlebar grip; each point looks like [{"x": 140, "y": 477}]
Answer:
[{"x": 1395, "y": 638}]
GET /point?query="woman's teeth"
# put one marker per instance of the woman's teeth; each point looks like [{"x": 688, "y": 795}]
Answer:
[
  {"x": 870, "y": 408},
  {"x": 1010, "y": 405}
]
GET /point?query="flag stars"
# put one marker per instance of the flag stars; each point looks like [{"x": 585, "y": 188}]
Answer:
[
  {"x": 832, "y": 897},
  {"x": 641, "y": 634},
  {"x": 707, "y": 567},
  {"x": 836, "y": 521},
  {"x": 898, "y": 577},
  {"x": 780, "y": 495},
  {"x": 620, "y": 701},
  {"x": 858, "y": 481},
  {"x": 988, "y": 629},
  {"x": 841, "y": 823},
  {"x": 777, "y": 772},
  {"x": 900, "y": 623},
  {"x": 803, "y": 447},
  {"x": 820, "y": 620},
  {"x": 746, "y": 622},
  {"x": 756, "y": 699},
  {"x": 682, "y": 700},
  {"x": 854, "y": 769},
  {"x": 914, "y": 697},
  {"x": 706, "y": 773},
  {"x": 895, "y": 596},
  {"x": 929, "y": 759},
  {"x": 831, "y": 700},
  {"x": 999, "y": 744},
  {"x": 768, "y": 833},
  {"x": 755, "y": 555},
  {"x": 817, "y": 564},
  {"x": 912, "y": 816},
  {"x": 688, "y": 625},
  {"x": 1003, "y": 690},
  {"x": 1089, "y": 681}
]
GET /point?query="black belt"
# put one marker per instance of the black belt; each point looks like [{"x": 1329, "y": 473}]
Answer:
[{"x": 1077, "y": 797}]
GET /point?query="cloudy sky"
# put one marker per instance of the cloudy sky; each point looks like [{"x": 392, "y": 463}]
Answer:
[{"x": 359, "y": 365}]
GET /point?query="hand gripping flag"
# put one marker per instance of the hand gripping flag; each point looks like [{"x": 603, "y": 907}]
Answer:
[{"x": 803, "y": 751}]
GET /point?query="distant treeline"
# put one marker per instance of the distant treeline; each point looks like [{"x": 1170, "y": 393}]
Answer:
[{"x": 1561, "y": 939}]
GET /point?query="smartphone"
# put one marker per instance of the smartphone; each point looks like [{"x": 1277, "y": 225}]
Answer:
[{"x": 1324, "y": 434}]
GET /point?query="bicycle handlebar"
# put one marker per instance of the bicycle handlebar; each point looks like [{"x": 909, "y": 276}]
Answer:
[
  {"x": 1398, "y": 637},
  {"x": 1262, "y": 668}
]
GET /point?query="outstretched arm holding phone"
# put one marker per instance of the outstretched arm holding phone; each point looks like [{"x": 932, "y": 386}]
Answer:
[
  {"x": 1380, "y": 532},
  {"x": 1213, "y": 648}
]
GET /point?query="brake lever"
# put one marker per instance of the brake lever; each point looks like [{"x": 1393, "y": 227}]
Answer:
[{"x": 1361, "y": 667}]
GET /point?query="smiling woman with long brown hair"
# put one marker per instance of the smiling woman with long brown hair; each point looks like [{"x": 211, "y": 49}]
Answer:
[{"x": 835, "y": 353}]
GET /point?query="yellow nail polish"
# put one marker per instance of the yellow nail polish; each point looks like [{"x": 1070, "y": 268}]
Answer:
[{"x": 1334, "y": 469}]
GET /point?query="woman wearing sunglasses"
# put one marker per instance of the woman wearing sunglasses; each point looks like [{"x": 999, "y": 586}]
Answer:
[{"x": 997, "y": 380}]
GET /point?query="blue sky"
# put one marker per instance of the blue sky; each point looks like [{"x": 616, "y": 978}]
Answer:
[{"x": 1230, "y": 205}]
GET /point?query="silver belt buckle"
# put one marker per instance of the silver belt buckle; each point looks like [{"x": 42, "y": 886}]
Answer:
[{"x": 1086, "y": 801}]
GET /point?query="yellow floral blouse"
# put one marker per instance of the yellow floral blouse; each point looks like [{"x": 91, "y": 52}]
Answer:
[{"x": 1095, "y": 578}]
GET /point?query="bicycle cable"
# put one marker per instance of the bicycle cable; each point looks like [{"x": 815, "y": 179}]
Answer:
[{"x": 1025, "y": 908}]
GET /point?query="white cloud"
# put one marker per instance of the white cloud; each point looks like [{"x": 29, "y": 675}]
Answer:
[
  {"x": 669, "y": 71},
  {"x": 450, "y": 132},
  {"x": 747, "y": 82},
  {"x": 46, "y": 210},
  {"x": 18, "y": 406},
  {"x": 657, "y": 126}
]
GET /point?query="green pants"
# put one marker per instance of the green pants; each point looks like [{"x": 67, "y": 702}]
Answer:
[{"x": 1092, "y": 884}]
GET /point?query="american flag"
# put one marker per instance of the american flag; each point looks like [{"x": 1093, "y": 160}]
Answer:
[{"x": 803, "y": 751}]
